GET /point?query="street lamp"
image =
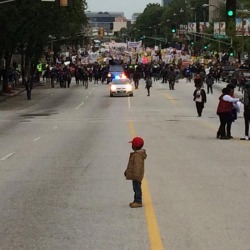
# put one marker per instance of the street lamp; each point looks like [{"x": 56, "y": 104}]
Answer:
[
  {"x": 216, "y": 7},
  {"x": 195, "y": 19}
]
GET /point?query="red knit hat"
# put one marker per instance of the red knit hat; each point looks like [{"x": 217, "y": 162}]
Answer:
[{"x": 137, "y": 142}]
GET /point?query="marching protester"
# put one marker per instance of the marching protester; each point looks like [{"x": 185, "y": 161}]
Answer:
[
  {"x": 210, "y": 83},
  {"x": 148, "y": 84},
  {"x": 171, "y": 78},
  {"x": 198, "y": 82},
  {"x": 200, "y": 98},
  {"x": 29, "y": 86}
]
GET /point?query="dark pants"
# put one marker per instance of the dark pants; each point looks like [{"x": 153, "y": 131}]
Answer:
[
  {"x": 247, "y": 120},
  {"x": 210, "y": 89},
  {"x": 138, "y": 192},
  {"x": 136, "y": 81},
  {"x": 148, "y": 89},
  {"x": 171, "y": 85},
  {"x": 199, "y": 107},
  {"x": 28, "y": 94},
  {"x": 224, "y": 120}
]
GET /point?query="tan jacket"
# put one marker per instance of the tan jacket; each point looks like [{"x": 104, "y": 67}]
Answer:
[{"x": 135, "y": 168}]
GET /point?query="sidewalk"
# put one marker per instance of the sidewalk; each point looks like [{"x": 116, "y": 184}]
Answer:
[
  {"x": 5, "y": 96},
  {"x": 16, "y": 91}
]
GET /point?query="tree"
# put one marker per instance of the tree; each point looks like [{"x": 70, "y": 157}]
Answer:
[
  {"x": 149, "y": 22},
  {"x": 25, "y": 26}
]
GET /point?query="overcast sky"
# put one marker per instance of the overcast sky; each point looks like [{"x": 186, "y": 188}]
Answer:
[{"x": 127, "y": 6}]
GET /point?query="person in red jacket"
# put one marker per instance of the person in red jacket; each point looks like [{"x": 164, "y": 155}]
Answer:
[
  {"x": 224, "y": 111},
  {"x": 135, "y": 170}
]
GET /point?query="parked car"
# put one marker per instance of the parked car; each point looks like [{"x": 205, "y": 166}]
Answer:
[
  {"x": 225, "y": 72},
  {"x": 235, "y": 76}
]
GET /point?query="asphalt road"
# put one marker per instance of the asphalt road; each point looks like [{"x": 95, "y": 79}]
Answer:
[{"x": 62, "y": 160}]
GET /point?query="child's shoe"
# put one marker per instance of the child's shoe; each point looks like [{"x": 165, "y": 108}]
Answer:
[{"x": 135, "y": 205}]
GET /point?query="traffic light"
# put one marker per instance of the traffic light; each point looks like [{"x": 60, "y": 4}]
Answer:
[
  {"x": 192, "y": 43},
  {"x": 61, "y": 3},
  {"x": 205, "y": 46},
  {"x": 230, "y": 8},
  {"x": 173, "y": 28},
  {"x": 231, "y": 52},
  {"x": 101, "y": 32},
  {"x": 111, "y": 26}
]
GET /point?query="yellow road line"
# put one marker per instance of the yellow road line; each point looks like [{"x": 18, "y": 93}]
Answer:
[
  {"x": 171, "y": 99},
  {"x": 153, "y": 229}
]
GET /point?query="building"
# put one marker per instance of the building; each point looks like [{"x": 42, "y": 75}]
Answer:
[
  {"x": 165, "y": 2},
  {"x": 104, "y": 20},
  {"x": 213, "y": 9},
  {"x": 134, "y": 17},
  {"x": 119, "y": 23}
]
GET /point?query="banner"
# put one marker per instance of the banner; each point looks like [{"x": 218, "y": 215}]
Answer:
[
  {"x": 242, "y": 26},
  {"x": 220, "y": 28},
  {"x": 134, "y": 44},
  {"x": 203, "y": 27},
  {"x": 191, "y": 27}
]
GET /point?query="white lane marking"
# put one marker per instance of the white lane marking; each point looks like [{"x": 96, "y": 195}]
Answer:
[
  {"x": 7, "y": 156},
  {"x": 38, "y": 138},
  {"x": 55, "y": 127},
  {"x": 129, "y": 104},
  {"x": 79, "y": 106},
  {"x": 90, "y": 93},
  {"x": 87, "y": 97}
]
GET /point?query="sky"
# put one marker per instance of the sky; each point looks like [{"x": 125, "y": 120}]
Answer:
[{"x": 127, "y": 6}]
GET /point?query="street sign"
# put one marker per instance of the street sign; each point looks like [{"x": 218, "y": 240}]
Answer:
[{"x": 220, "y": 36}]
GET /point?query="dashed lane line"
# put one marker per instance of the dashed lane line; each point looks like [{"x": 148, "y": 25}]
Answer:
[
  {"x": 7, "y": 156},
  {"x": 79, "y": 106}
]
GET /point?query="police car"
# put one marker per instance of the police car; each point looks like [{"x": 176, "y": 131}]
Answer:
[{"x": 121, "y": 86}]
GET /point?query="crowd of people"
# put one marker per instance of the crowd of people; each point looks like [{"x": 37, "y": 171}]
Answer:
[{"x": 203, "y": 78}]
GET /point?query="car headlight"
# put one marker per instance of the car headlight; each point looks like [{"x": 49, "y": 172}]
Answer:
[
  {"x": 113, "y": 88},
  {"x": 129, "y": 87}
]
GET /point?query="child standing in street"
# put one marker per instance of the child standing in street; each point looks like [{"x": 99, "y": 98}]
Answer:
[{"x": 135, "y": 170}]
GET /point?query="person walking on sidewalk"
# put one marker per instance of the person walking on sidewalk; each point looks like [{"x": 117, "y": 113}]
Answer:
[
  {"x": 135, "y": 170},
  {"x": 200, "y": 98},
  {"x": 148, "y": 84}
]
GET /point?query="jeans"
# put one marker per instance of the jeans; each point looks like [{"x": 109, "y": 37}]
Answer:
[{"x": 138, "y": 192}]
